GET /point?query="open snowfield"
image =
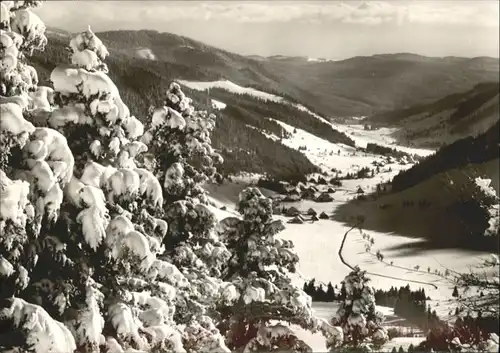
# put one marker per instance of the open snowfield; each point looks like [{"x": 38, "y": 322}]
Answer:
[
  {"x": 327, "y": 155},
  {"x": 318, "y": 243},
  {"x": 218, "y": 104},
  {"x": 381, "y": 136},
  {"x": 146, "y": 53}
]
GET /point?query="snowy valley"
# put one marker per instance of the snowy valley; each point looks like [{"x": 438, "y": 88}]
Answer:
[{"x": 320, "y": 243}]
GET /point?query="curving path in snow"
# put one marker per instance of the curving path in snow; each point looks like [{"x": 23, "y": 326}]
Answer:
[
  {"x": 377, "y": 274},
  {"x": 342, "y": 247},
  {"x": 407, "y": 268}
]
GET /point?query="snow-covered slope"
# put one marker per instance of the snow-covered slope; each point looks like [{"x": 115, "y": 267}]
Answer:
[
  {"x": 237, "y": 89},
  {"x": 146, "y": 53},
  {"x": 328, "y": 156},
  {"x": 356, "y": 132},
  {"x": 320, "y": 152},
  {"x": 218, "y": 105},
  {"x": 316, "y": 60},
  {"x": 323, "y": 153},
  {"x": 230, "y": 86}
]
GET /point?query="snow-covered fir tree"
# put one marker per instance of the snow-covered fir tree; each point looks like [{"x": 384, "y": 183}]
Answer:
[
  {"x": 179, "y": 136},
  {"x": 259, "y": 269},
  {"x": 81, "y": 259},
  {"x": 30, "y": 193},
  {"x": 357, "y": 314},
  {"x": 22, "y": 32},
  {"x": 490, "y": 203}
]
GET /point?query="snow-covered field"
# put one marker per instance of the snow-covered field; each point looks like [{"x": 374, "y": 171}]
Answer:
[
  {"x": 381, "y": 136},
  {"x": 146, "y": 53},
  {"x": 327, "y": 155}
]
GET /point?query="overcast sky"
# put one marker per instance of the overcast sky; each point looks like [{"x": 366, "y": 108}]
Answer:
[{"x": 328, "y": 29}]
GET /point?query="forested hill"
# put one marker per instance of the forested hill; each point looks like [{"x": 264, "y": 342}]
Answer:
[
  {"x": 446, "y": 120},
  {"x": 470, "y": 150}
]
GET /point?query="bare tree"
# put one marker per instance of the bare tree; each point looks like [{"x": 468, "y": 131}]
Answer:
[
  {"x": 484, "y": 278},
  {"x": 478, "y": 289}
]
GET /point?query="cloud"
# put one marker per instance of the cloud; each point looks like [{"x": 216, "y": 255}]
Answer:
[
  {"x": 374, "y": 13},
  {"x": 479, "y": 13},
  {"x": 369, "y": 13}
]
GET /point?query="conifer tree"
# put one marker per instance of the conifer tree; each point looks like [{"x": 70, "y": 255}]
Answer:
[
  {"x": 357, "y": 315},
  {"x": 179, "y": 136},
  {"x": 260, "y": 266},
  {"x": 22, "y": 32},
  {"x": 330, "y": 293},
  {"x": 82, "y": 263},
  {"x": 343, "y": 293}
]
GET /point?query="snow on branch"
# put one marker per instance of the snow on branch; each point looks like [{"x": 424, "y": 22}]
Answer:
[{"x": 43, "y": 334}]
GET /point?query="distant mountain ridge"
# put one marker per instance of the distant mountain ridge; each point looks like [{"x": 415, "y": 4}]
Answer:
[{"x": 351, "y": 87}]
